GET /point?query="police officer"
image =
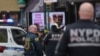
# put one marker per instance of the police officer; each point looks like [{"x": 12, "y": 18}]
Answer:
[
  {"x": 81, "y": 38},
  {"x": 32, "y": 44},
  {"x": 51, "y": 40}
]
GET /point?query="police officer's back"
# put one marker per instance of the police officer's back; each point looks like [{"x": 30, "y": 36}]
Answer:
[
  {"x": 51, "y": 40},
  {"x": 81, "y": 38}
]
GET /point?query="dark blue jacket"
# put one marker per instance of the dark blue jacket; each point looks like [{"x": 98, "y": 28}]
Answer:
[
  {"x": 80, "y": 39},
  {"x": 33, "y": 46},
  {"x": 51, "y": 40}
]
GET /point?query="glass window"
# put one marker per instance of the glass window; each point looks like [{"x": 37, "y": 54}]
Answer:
[
  {"x": 18, "y": 36},
  {"x": 97, "y": 10},
  {"x": 3, "y": 35}
]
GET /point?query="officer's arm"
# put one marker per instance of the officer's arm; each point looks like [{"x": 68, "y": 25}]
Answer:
[
  {"x": 61, "y": 49},
  {"x": 46, "y": 38}
]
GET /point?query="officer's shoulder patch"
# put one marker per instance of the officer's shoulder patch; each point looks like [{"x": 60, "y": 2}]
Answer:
[
  {"x": 36, "y": 39},
  {"x": 27, "y": 39}
]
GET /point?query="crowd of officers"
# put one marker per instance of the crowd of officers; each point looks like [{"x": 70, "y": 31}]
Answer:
[
  {"x": 79, "y": 39},
  {"x": 38, "y": 43}
]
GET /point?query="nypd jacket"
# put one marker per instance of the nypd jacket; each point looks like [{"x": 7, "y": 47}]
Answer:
[
  {"x": 33, "y": 46},
  {"x": 80, "y": 39},
  {"x": 50, "y": 42}
]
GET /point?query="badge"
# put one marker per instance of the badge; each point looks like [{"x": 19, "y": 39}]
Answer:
[{"x": 37, "y": 39}]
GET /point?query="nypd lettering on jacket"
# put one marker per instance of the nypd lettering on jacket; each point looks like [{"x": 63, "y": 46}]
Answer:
[
  {"x": 84, "y": 35},
  {"x": 55, "y": 37}
]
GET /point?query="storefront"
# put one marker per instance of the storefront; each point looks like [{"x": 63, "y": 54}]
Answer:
[
  {"x": 4, "y": 15},
  {"x": 73, "y": 7},
  {"x": 9, "y": 10}
]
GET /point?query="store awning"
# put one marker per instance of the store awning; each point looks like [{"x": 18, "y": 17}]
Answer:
[
  {"x": 83, "y": 0},
  {"x": 9, "y": 5}
]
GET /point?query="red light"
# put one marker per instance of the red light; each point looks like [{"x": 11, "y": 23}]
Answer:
[
  {"x": 2, "y": 48},
  {"x": 5, "y": 20}
]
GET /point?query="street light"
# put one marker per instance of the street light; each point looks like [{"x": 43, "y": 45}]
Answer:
[
  {"x": 47, "y": 19},
  {"x": 21, "y": 4}
]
